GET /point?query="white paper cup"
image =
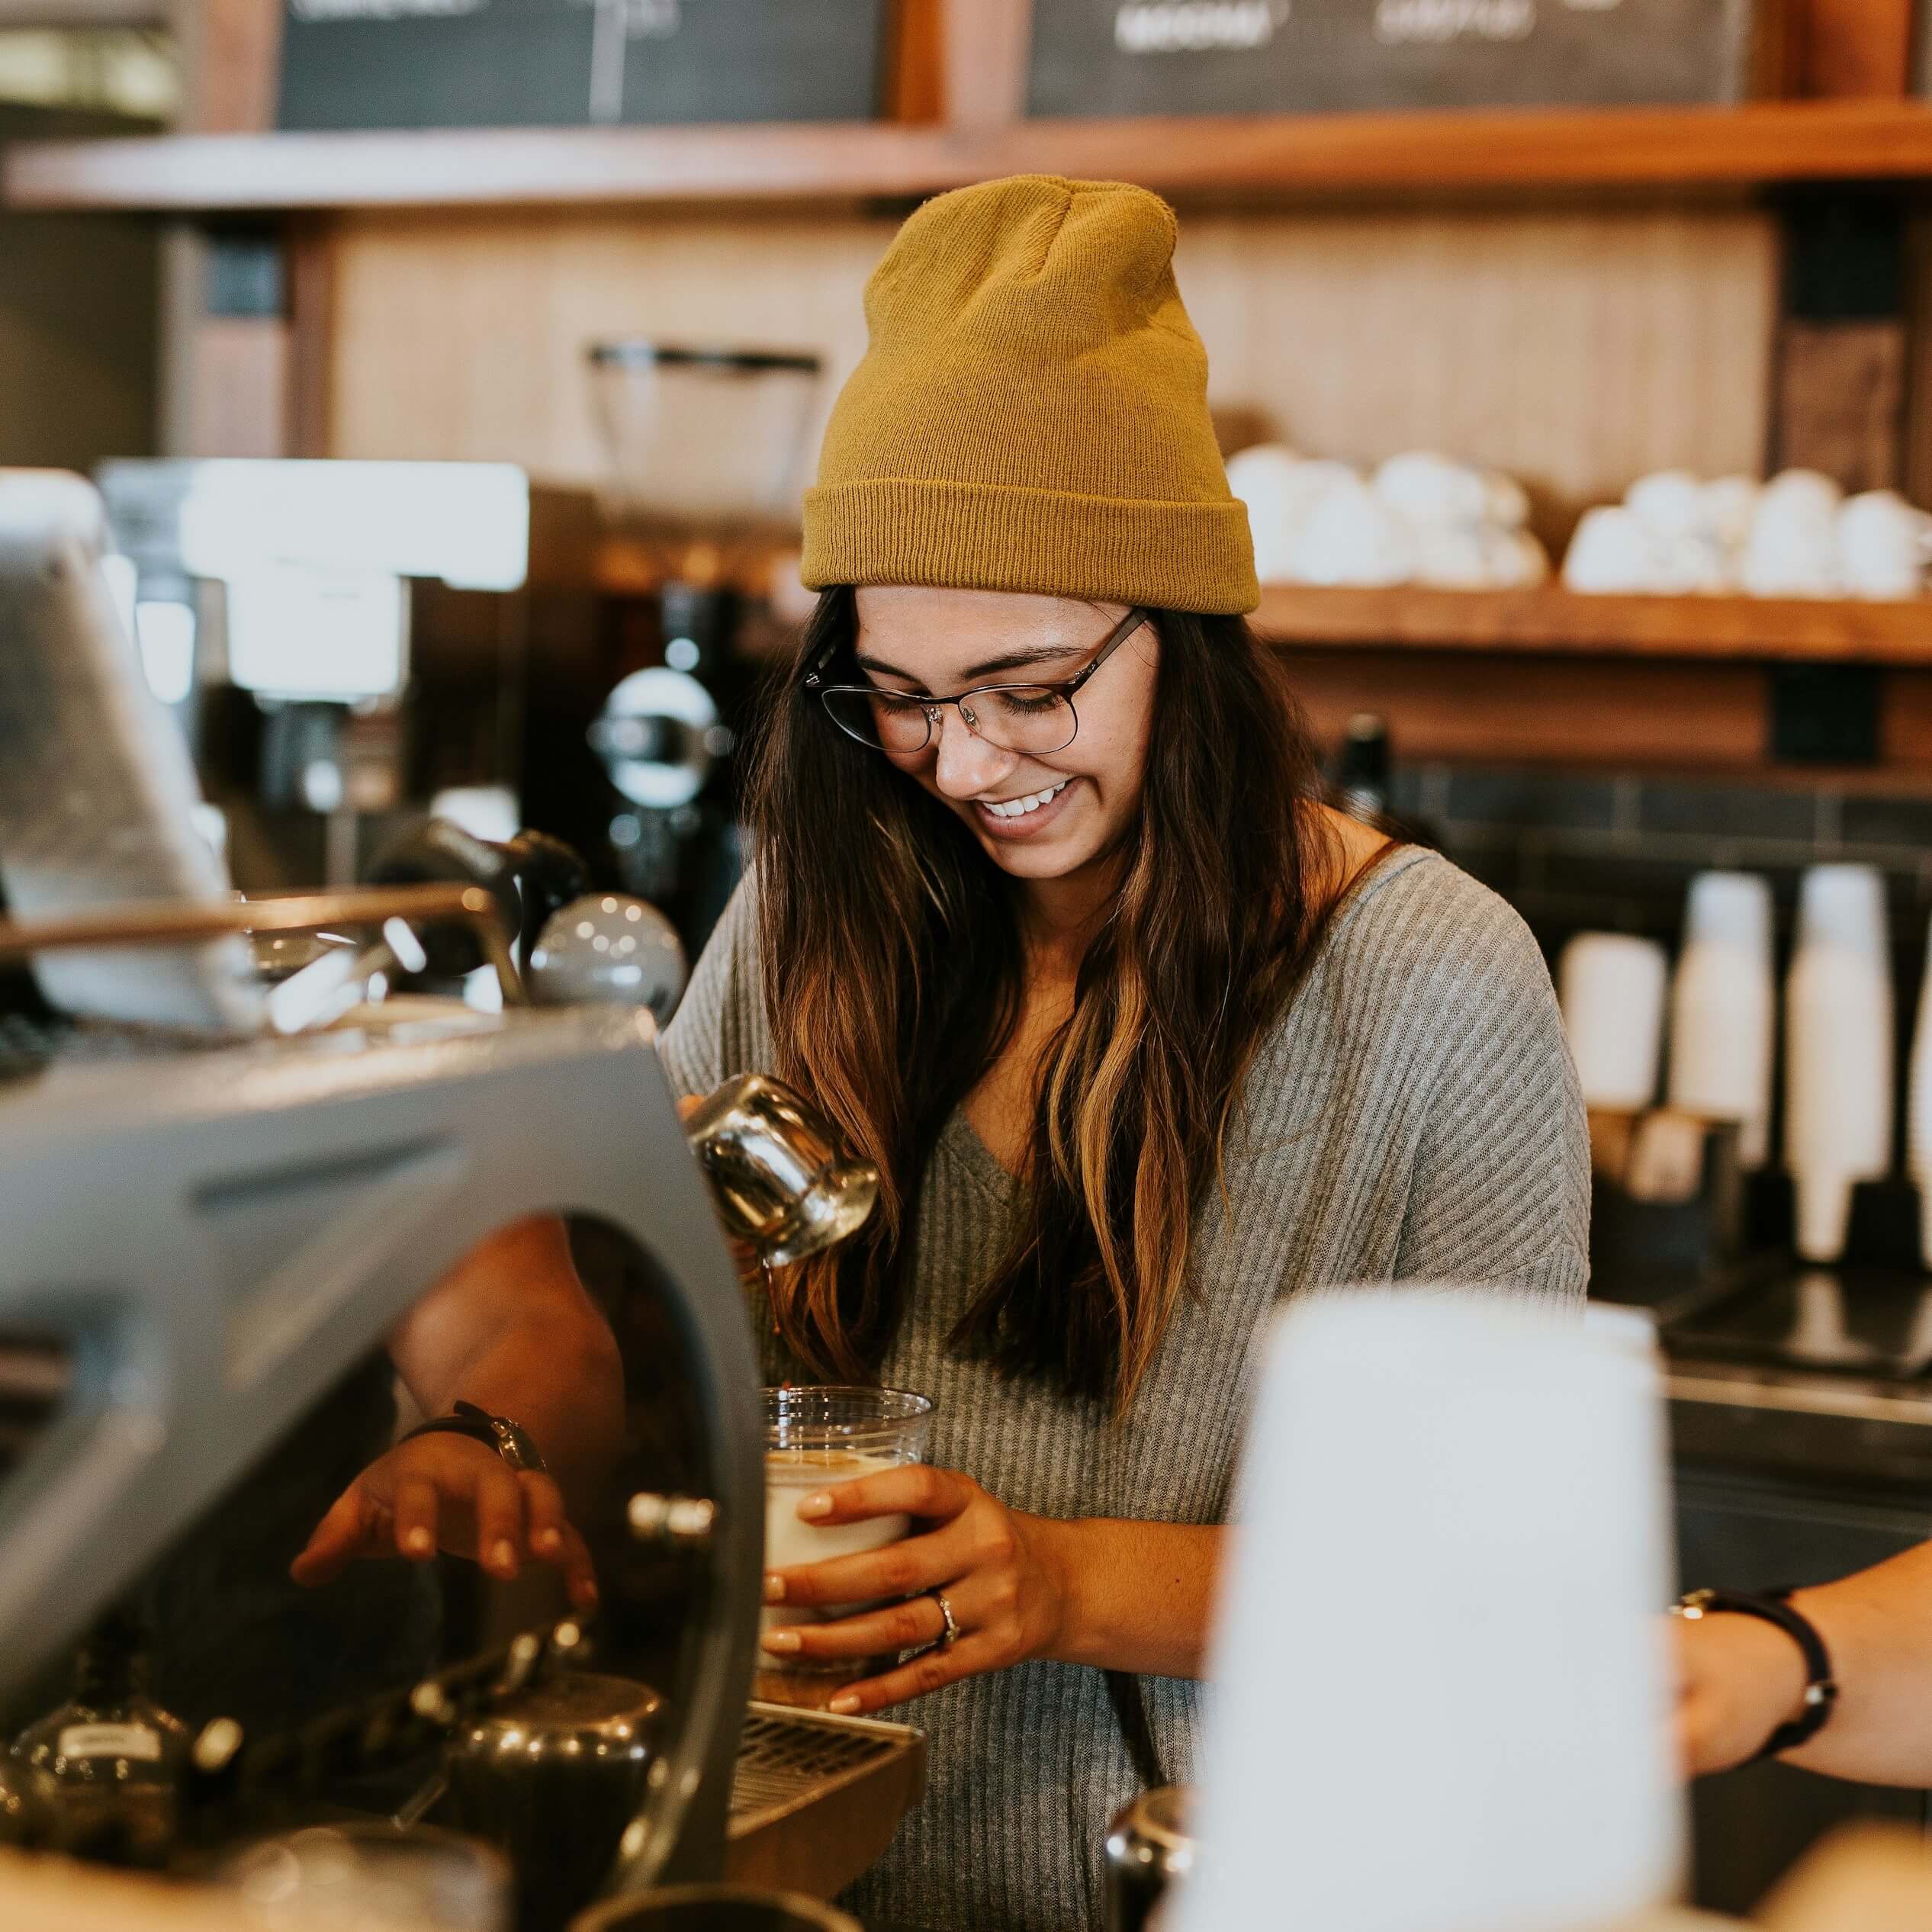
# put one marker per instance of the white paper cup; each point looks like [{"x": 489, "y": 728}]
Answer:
[
  {"x": 1723, "y": 1008},
  {"x": 1440, "y": 1691},
  {"x": 1838, "y": 1035},
  {"x": 1611, "y": 988}
]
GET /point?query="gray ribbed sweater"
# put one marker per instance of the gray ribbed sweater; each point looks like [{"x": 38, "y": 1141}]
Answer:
[{"x": 1413, "y": 1115}]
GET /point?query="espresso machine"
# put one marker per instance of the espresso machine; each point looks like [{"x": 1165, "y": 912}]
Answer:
[
  {"x": 704, "y": 446},
  {"x": 219, "y": 1212},
  {"x": 274, "y": 605}
]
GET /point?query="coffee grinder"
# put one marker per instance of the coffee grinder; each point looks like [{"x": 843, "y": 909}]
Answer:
[{"x": 706, "y": 446}]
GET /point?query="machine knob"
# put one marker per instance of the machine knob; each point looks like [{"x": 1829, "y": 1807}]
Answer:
[{"x": 608, "y": 949}]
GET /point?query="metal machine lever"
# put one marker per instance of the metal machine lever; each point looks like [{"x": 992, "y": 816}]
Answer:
[{"x": 162, "y": 925}]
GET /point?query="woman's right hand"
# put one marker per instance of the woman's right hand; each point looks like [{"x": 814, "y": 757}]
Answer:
[
  {"x": 444, "y": 1492},
  {"x": 744, "y": 1257}
]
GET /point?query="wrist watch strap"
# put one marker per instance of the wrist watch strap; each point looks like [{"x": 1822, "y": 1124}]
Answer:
[
  {"x": 509, "y": 1439},
  {"x": 1820, "y": 1687}
]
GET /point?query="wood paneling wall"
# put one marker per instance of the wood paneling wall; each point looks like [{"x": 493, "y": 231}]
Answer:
[{"x": 1576, "y": 347}]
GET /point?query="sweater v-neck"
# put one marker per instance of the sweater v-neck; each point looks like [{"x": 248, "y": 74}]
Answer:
[{"x": 990, "y": 1174}]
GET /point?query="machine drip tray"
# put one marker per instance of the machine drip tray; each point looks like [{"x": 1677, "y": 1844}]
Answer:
[
  {"x": 817, "y": 1797},
  {"x": 1862, "y": 1320}
]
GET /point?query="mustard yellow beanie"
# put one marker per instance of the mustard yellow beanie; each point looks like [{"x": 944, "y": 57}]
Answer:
[{"x": 1032, "y": 412}]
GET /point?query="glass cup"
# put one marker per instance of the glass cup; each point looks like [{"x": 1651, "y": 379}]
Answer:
[
  {"x": 814, "y": 1438},
  {"x": 715, "y": 1908}
]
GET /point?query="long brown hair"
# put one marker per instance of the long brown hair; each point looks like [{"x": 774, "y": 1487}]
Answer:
[{"x": 892, "y": 976}]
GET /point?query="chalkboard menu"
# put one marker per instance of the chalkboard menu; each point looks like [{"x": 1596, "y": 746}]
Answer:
[
  {"x": 1307, "y": 56},
  {"x": 559, "y": 63}
]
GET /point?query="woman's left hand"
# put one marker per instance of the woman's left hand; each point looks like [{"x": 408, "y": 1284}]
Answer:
[
  {"x": 1738, "y": 1679},
  {"x": 1003, "y": 1573}
]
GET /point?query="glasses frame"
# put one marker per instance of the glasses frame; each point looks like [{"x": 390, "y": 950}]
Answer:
[{"x": 1062, "y": 688}]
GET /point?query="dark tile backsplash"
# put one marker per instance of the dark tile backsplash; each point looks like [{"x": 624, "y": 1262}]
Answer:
[
  {"x": 1887, "y": 821},
  {"x": 1619, "y": 852},
  {"x": 1517, "y": 798},
  {"x": 1727, "y": 811}
]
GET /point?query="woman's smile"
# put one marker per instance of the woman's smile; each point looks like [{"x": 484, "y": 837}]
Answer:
[{"x": 1025, "y": 816}]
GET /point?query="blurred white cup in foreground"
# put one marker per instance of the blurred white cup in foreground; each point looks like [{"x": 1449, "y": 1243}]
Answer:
[{"x": 1469, "y": 1595}]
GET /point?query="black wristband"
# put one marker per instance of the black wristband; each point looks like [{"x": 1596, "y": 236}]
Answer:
[
  {"x": 1820, "y": 1687},
  {"x": 509, "y": 1440}
]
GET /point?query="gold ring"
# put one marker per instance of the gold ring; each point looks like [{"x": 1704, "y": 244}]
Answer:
[{"x": 951, "y": 1633}]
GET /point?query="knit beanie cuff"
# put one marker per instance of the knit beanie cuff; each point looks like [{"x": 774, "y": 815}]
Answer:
[{"x": 1168, "y": 556}]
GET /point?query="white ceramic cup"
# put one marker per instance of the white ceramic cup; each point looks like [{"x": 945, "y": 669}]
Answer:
[
  {"x": 1882, "y": 546},
  {"x": 1838, "y": 1035},
  {"x": 1610, "y": 987},
  {"x": 1513, "y": 559},
  {"x": 1730, "y": 503},
  {"x": 1350, "y": 536},
  {"x": 1452, "y": 556},
  {"x": 1266, "y": 478},
  {"x": 1792, "y": 550},
  {"x": 1723, "y": 1008},
  {"x": 1428, "y": 488},
  {"x": 1612, "y": 552},
  {"x": 1670, "y": 502}
]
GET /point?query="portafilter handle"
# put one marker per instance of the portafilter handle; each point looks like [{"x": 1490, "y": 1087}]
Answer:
[{"x": 783, "y": 1177}]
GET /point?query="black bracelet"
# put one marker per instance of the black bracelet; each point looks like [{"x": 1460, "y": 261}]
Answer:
[
  {"x": 1820, "y": 1687},
  {"x": 509, "y": 1439}
]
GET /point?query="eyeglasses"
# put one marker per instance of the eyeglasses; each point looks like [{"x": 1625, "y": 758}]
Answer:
[{"x": 1032, "y": 719}]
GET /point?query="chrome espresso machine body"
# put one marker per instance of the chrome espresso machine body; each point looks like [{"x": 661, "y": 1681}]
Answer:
[
  {"x": 232, "y": 1164},
  {"x": 211, "y": 1237}
]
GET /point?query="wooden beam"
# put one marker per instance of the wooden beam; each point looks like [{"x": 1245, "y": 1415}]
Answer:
[
  {"x": 310, "y": 244},
  {"x": 1422, "y": 155},
  {"x": 68, "y": 14},
  {"x": 1550, "y": 623},
  {"x": 986, "y": 48},
  {"x": 915, "y": 63},
  {"x": 230, "y": 53},
  {"x": 1854, "y": 49}
]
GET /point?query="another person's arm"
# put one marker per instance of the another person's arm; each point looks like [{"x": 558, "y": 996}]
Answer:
[
  {"x": 1743, "y": 1677},
  {"x": 511, "y": 1329}
]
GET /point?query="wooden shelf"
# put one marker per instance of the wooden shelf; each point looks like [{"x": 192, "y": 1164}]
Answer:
[
  {"x": 1283, "y": 157},
  {"x": 1553, "y": 622}
]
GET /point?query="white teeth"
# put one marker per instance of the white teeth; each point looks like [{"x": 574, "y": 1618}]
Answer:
[{"x": 1018, "y": 808}]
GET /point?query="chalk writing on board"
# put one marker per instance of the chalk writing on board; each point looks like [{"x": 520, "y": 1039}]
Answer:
[
  {"x": 1196, "y": 26},
  {"x": 1434, "y": 23},
  {"x": 1120, "y": 57}
]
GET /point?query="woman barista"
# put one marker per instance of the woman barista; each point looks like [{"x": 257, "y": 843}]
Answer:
[{"x": 1043, "y": 910}]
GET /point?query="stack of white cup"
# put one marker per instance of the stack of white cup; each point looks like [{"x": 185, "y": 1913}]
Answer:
[
  {"x": 1838, "y": 1046},
  {"x": 1722, "y": 1036},
  {"x": 1610, "y": 986},
  {"x": 1723, "y": 1009}
]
